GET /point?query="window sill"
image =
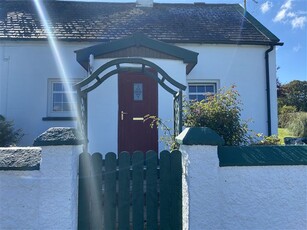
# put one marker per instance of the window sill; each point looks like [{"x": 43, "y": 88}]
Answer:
[{"x": 59, "y": 118}]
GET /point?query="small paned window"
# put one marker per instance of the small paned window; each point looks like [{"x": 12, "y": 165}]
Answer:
[
  {"x": 61, "y": 98},
  {"x": 200, "y": 91}
]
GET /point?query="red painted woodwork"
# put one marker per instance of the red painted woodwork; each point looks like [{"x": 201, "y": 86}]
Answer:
[{"x": 133, "y": 133}]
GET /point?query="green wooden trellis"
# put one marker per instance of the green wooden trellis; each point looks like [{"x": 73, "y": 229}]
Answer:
[{"x": 94, "y": 80}]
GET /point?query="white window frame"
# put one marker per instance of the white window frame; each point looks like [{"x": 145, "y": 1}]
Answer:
[
  {"x": 50, "y": 111},
  {"x": 214, "y": 83}
]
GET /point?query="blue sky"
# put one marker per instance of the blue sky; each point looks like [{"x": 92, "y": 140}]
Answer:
[{"x": 287, "y": 19}]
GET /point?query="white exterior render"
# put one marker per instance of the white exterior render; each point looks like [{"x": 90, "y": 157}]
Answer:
[
  {"x": 26, "y": 68},
  {"x": 181, "y": 39}
]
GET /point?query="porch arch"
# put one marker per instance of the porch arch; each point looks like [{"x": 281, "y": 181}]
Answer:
[{"x": 94, "y": 80}]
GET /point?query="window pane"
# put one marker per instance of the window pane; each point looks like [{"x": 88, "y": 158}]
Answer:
[
  {"x": 210, "y": 88},
  {"x": 192, "y": 89},
  {"x": 57, "y": 97},
  {"x": 201, "y": 89},
  {"x": 58, "y": 87},
  {"x": 200, "y": 97},
  {"x": 57, "y": 107},
  {"x": 66, "y": 107},
  {"x": 65, "y": 97},
  {"x": 138, "y": 91},
  {"x": 198, "y": 91}
]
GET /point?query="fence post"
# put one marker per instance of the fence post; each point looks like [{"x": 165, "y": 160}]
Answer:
[
  {"x": 59, "y": 178},
  {"x": 200, "y": 203}
]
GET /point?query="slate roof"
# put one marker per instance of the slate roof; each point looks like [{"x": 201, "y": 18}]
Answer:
[{"x": 97, "y": 21}]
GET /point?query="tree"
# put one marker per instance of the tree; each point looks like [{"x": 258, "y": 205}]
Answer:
[
  {"x": 9, "y": 136},
  {"x": 294, "y": 94}
]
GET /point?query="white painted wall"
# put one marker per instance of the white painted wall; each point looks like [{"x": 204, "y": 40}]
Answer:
[
  {"x": 26, "y": 67},
  {"x": 45, "y": 198},
  {"x": 23, "y": 83},
  {"x": 268, "y": 197},
  {"x": 243, "y": 66}
]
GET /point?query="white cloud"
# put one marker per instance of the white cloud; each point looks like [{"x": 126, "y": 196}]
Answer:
[
  {"x": 298, "y": 22},
  {"x": 297, "y": 19},
  {"x": 297, "y": 48},
  {"x": 282, "y": 13},
  {"x": 291, "y": 15},
  {"x": 265, "y": 7}
]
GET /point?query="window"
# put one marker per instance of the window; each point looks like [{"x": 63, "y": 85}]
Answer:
[
  {"x": 61, "y": 98},
  {"x": 199, "y": 91}
]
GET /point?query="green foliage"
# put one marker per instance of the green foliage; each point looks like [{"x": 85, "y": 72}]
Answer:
[
  {"x": 269, "y": 140},
  {"x": 298, "y": 126},
  {"x": 220, "y": 112},
  {"x": 293, "y": 94},
  {"x": 167, "y": 137},
  {"x": 286, "y": 114},
  {"x": 9, "y": 136}
]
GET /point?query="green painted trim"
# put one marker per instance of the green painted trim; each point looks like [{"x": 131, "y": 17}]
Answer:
[
  {"x": 138, "y": 39},
  {"x": 199, "y": 136},
  {"x": 59, "y": 118},
  {"x": 95, "y": 76},
  {"x": 262, "y": 155}
]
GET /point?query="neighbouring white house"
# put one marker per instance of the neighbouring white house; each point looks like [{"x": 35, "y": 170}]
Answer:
[{"x": 129, "y": 60}]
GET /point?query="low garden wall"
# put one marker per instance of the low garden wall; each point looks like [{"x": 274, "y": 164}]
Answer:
[
  {"x": 39, "y": 185},
  {"x": 223, "y": 187},
  {"x": 256, "y": 187}
]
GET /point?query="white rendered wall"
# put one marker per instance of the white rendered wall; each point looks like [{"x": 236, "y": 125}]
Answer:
[
  {"x": 243, "y": 66},
  {"x": 24, "y": 80},
  {"x": 45, "y": 198},
  {"x": 255, "y": 197},
  {"x": 26, "y": 68}
]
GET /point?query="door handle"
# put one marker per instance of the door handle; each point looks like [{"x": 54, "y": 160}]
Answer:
[{"x": 122, "y": 113}]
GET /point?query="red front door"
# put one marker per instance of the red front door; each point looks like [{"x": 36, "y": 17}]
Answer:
[{"x": 137, "y": 97}]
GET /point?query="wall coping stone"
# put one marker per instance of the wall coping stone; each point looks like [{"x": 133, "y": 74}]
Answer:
[
  {"x": 262, "y": 155},
  {"x": 20, "y": 158},
  {"x": 59, "y": 136},
  {"x": 199, "y": 136}
]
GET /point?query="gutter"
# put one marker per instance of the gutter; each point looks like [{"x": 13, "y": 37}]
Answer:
[{"x": 268, "y": 91}]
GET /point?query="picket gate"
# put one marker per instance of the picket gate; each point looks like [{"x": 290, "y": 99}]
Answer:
[{"x": 130, "y": 191}]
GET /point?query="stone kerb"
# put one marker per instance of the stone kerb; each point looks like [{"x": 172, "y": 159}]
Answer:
[{"x": 200, "y": 172}]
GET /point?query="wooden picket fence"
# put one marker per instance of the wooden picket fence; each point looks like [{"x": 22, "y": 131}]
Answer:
[{"x": 134, "y": 191}]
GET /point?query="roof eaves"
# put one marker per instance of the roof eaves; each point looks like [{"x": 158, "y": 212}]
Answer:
[
  {"x": 261, "y": 28},
  {"x": 187, "y": 56}
]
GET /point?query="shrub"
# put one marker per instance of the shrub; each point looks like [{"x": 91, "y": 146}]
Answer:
[
  {"x": 9, "y": 136},
  {"x": 286, "y": 114},
  {"x": 220, "y": 112},
  {"x": 269, "y": 140},
  {"x": 298, "y": 126}
]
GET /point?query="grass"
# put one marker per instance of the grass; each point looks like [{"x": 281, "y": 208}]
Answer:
[{"x": 282, "y": 133}]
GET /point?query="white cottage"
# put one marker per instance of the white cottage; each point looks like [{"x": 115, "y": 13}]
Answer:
[{"x": 129, "y": 60}]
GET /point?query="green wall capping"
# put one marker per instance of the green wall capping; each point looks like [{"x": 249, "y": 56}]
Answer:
[
  {"x": 199, "y": 136},
  {"x": 59, "y": 136},
  {"x": 262, "y": 155}
]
